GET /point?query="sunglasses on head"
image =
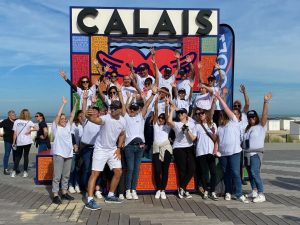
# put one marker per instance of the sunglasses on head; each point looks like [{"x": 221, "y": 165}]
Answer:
[{"x": 84, "y": 81}]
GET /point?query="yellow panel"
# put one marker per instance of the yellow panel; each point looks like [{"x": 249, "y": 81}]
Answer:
[{"x": 97, "y": 43}]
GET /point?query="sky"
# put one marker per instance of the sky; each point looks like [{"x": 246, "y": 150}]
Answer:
[{"x": 34, "y": 46}]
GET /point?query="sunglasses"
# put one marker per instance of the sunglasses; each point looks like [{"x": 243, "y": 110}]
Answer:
[
  {"x": 199, "y": 113},
  {"x": 36, "y": 116},
  {"x": 113, "y": 108},
  {"x": 237, "y": 106},
  {"x": 84, "y": 81},
  {"x": 113, "y": 76},
  {"x": 112, "y": 92}
]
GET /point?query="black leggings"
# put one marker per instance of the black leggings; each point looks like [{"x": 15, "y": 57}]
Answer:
[
  {"x": 208, "y": 161},
  {"x": 185, "y": 162},
  {"x": 161, "y": 170},
  {"x": 19, "y": 153}
]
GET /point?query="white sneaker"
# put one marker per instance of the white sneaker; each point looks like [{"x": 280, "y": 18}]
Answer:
[
  {"x": 157, "y": 195},
  {"x": 77, "y": 189},
  {"x": 214, "y": 197},
  {"x": 187, "y": 194},
  {"x": 205, "y": 195},
  {"x": 253, "y": 194},
  {"x": 72, "y": 190},
  {"x": 134, "y": 195},
  {"x": 98, "y": 194},
  {"x": 259, "y": 198},
  {"x": 180, "y": 193},
  {"x": 13, "y": 174},
  {"x": 121, "y": 196},
  {"x": 128, "y": 195},
  {"x": 243, "y": 199},
  {"x": 163, "y": 195},
  {"x": 25, "y": 174},
  {"x": 227, "y": 197}
]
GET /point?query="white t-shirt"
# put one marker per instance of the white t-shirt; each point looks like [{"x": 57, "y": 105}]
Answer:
[
  {"x": 77, "y": 130},
  {"x": 134, "y": 127},
  {"x": 109, "y": 133},
  {"x": 229, "y": 138},
  {"x": 181, "y": 139},
  {"x": 243, "y": 124},
  {"x": 203, "y": 101},
  {"x": 161, "y": 133},
  {"x": 129, "y": 89},
  {"x": 90, "y": 131},
  {"x": 91, "y": 92},
  {"x": 62, "y": 141},
  {"x": 204, "y": 143},
  {"x": 21, "y": 127},
  {"x": 185, "y": 84},
  {"x": 182, "y": 103},
  {"x": 218, "y": 106},
  {"x": 256, "y": 136},
  {"x": 162, "y": 82},
  {"x": 141, "y": 80}
]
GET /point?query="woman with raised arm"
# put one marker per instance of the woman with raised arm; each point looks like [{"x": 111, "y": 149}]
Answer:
[
  {"x": 254, "y": 138},
  {"x": 84, "y": 83},
  {"x": 162, "y": 149},
  {"x": 230, "y": 149},
  {"x": 62, "y": 152},
  {"x": 183, "y": 149}
]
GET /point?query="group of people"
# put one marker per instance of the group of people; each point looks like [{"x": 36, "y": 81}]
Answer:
[{"x": 157, "y": 115}]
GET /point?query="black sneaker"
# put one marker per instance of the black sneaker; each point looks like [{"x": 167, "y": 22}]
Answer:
[
  {"x": 67, "y": 197},
  {"x": 6, "y": 172},
  {"x": 56, "y": 200}
]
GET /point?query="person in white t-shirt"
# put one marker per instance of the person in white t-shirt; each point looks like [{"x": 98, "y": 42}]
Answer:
[
  {"x": 22, "y": 140},
  {"x": 142, "y": 76},
  {"x": 84, "y": 83},
  {"x": 230, "y": 149},
  {"x": 134, "y": 117},
  {"x": 206, "y": 138},
  {"x": 205, "y": 98},
  {"x": 254, "y": 138},
  {"x": 181, "y": 100},
  {"x": 107, "y": 149},
  {"x": 183, "y": 148},
  {"x": 162, "y": 150},
  {"x": 128, "y": 88},
  {"x": 62, "y": 152}
]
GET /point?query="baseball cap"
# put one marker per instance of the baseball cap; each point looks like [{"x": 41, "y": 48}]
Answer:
[
  {"x": 116, "y": 105},
  {"x": 252, "y": 113},
  {"x": 168, "y": 70},
  {"x": 143, "y": 66},
  {"x": 182, "y": 71},
  {"x": 182, "y": 90},
  {"x": 182, "y": 110},
  {"x": 134, "y": 106}
]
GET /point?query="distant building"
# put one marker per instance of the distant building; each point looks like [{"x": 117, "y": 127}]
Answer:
[
  {"x": 295, "y": 129},
  {"x": 273, "y": 125}
]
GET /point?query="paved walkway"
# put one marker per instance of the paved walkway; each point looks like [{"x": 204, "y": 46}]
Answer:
[{"x": 23, "y": 202}]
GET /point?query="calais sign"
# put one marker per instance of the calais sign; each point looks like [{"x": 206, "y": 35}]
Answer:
[{"x": 145, "y": 22}]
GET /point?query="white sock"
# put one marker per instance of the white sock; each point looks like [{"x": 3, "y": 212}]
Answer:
[
  {"x": 89, "y": 199},
  {"x": 110, "y": 194}
]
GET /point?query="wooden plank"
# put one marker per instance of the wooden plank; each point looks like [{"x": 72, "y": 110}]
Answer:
[
  {"x": 40, "y": 202},
  {"x": 243, "y": 217},
  {"x": 184, "y": 205},
  {"x": 134, "y": 221},
  {"x": 174, "y": 203},
  {"x": 68, "y": 211},
  {"x": 156, "y": 202},
  {"x": 124, "y": 219},
  {"x": 219, "y": 214},
  {"x": 45, "y": 205},
  {"x": 94, "y": 217},
  {"x": 6, "y": 193},
  {"x": 207, "y": 212},
  {"x": 147, "y": 222},
  {"x": 271, "y": 199},
  {"x": 12, "y": 198},
  {"x": 104, "y": 216},
  {"x": 84, "y": 215},
  {"x": 31, "y": 201},
  {"x": 278, "y": 220},
  {"x": 292, "y": 200},
  {"x": 114, "y": 219},
  {"x": 76, "y": 213},
  {"x": 29, "y": 196},
  {"x": 147, "y": 199},
  {"x": 166, "y": 204},
  {"x": 282, "y": 201},
  {"x": 265, "y": 218},
  {"x": 195, "y": 207},
  {"x": 253, "y": 217}
]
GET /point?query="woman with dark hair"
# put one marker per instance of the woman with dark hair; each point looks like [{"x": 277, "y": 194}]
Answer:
[
  {"x": 42, "y": 140},
  {"x": 22, "y": 140},
  {"x": 230, "y": 149},
  {"x": 206, "y": 137},
  {"x": 84, "y": 83},
  {"x": 254, "y": 147},
  {"x": 183, "y": 149},
  {"x": 112, "y": 94}
]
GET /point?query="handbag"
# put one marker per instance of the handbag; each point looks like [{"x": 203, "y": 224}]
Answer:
[{"x": 14, "y": 147}]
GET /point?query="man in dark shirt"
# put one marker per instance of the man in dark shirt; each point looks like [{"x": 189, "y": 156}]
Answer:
[{"x": 7, "y": 126}]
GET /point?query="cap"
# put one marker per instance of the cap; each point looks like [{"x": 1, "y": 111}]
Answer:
[
  {"x": 182, "y": 110},
  {"x": 212, "y": 77},
  {"x": 95, "y": 107},
  {"x": 116, "y": 105},
  {"x": 252, "y": 113},
  {"x": 134, "y": 106},
  {"x": 168, "y": 70},
  {"x": 182, "y": 90},
  {"x": 143, "y": 66},
  {"x": 182, "y": 71}
]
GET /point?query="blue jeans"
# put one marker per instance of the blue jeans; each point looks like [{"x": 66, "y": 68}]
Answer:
[
  {"x": 231, "y": 170},
  {"x": 42, "y": 147},
  {"x": 7, "y": 150},
  {"x": 74, "y": 177},
  {"x": 87, "y": 157},
  {"x": 254, "y": 173},
  {"x": 133, "y": 155}
]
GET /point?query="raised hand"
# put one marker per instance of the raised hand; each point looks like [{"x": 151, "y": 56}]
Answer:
[
  {"x": 199, "y": 64},
  {"x": 167, "y": 100},
  {"x": 131, "y": 64},
  {"x": 177, "y": 55},
  {"x": 268, "y": 96},
  {"x": 225, "y": 91},
  {"x": 75, "y": 101},
  {"x": 118, "y": 86},
  {"x": 242, "y": 89},
  {"x": 128, "y": 94},
  {"x": 63, "y": 74},
  {"x": 106, "y": 68},
  {"x": 154, "y": 89},
  {"x": 85, "y": 94},
  {"x": 174, "y": 84},
  {"x": 217, "y": 94},
  {"x": 188, "y": 59},
  {"x": 217, "y": 66},
  {"x": 153, "y": 51},
  {"x": 64, "y": 100},
  {"x": 192, "y": 83},
  {"x": 96, "y": 62}
]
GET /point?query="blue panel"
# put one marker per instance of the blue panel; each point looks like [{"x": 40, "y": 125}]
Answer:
[{"x": 80, "y": 44}]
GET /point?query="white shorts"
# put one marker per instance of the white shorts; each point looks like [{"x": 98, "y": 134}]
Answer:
[{"x": 101, "y": 157}]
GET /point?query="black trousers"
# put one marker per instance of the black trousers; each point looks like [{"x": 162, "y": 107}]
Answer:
[
  {"x": 208, "y": 161},
  {"x": 19, "y": 153},
  {"x": 185, "y": 163},
  {"x": 161, "y": 170}
]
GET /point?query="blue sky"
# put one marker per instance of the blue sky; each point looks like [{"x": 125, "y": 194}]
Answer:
[{"x": 35, "y": 45}]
